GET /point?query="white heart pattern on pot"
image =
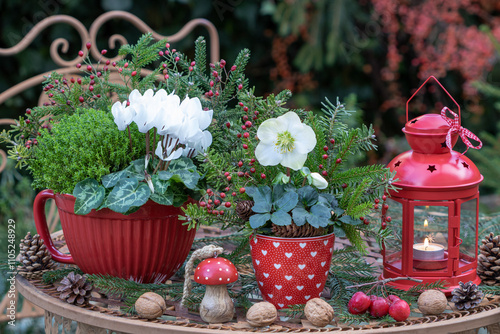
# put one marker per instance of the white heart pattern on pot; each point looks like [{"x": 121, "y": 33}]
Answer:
[
  {"x": 276, "y": 244},
  {"x": 277, "y": 266},
  {"x": 288, "y": 278},
  {"x": 313, "y": 254},
  {"x": 288, "y": 255}
]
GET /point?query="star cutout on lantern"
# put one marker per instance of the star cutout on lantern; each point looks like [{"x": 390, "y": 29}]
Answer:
[
  {"x": 397, "y": 164},
  {"x": 431, "y": 168},
  {"x": 443, "y": 144},
  {"x": 414, "y": 121},
  {"x": 430, "y": 219},
  {"x": 465, "y": 165}
]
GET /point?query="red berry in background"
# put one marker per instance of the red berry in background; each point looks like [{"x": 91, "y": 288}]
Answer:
[
  {"x": 245, "y": 146},
  {"x": 384, "y": 225},
  {"x": 238, "y": 135},
  {"x": 227, "y": 204},
  {"x": 399, "y": 310},
  {"x": 245, "y": 109},
  {"x": 339, "y": 160},
  {"x": 217, "y": 202},
  {"x": 226, "y": 174},
  {"x": 325, "y": 148},
  {"x": 325, "y": 156},
  {"x": 80, "y": 53},
  {"x": 359, "y": 303},
  {"x": 88, "y": 45},
  {"x": 89, "y": 68},
  {"x": 228, "y": 125},
  {"x": 332, "y": 141},
  {"x": 78, "y": 65},
  {"x": 325, "y": 173},
  {"x": 81, "y": 99},
  {"x": 362, "y": 218},
  {"x": 379, "y": 308},
  {"x": 103, "y": 52},
  {"x": 233, "y": 68},
  {"x": 241, "y": 174},
  {"x": 28, "y": 111},
  {"x": 366, "y": 222},
  {"x": 240, "y": 86},
  {"x": 240, "y": 104},
  {"x": 229, "y": 178},
  {"x": 252, "y": 160},
  {"x": 320, "y": 166},
  {"x": 222, "y": 195},
  {"x": 203, "y": 204},
  {"x": 385, "y": 207},
  {"x": 177, "y": 58},
  {"x": 248, "y": 124},
  {"x": 263, "y": 175},
  {"x": 242, "y": 190},
  {"x": 28, "y": 121},
  {"x": 134, "y": 73},
  {"x": 384, "y": 198},
  {"x": 252, "y": 170},
  {"x": 243, "y": 127},
  {"x": 240, "y": 163},
  {"x": 344, "y": 185},
  {"x": 233, "y": 194},
  {"x": 246, "y": 135},
  {"x": 375, "y": 206},
  {"x": 388, "y": 219}
]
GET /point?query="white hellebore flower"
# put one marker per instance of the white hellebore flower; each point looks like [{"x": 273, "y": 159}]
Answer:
[
  {"x": 123, "y": 115},
  {"x": 145, "y": 108},
  {"x": 318, "y": 181},
  {"x": 284, "y": 140}
]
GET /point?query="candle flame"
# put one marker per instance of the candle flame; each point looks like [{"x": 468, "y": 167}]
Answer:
[
  {"x": 426, "y": 223},
  {"x": 426, "y": 243}
]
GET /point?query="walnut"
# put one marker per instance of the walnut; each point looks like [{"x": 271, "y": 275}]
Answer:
[
  {"x": 150, "y": 305},
  {"x": 262, "y": 314},
  {"x": 318, "y": 312},
  {"x": 432, "y": 302}
]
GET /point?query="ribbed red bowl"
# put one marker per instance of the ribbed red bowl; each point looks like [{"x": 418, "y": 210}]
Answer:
[{"x": 146, "y": 246}]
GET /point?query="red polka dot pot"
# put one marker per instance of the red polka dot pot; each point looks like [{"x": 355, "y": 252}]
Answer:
[{"x": 291, "y": 271}]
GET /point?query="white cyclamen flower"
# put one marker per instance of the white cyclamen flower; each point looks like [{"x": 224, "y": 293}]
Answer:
[
  {"x": 123, "y": 115},
  {"x": 145, "y": 108},
  {"x": 167, "y": 151},
  {"x": 318, "y": 181},
  {"x": 284, "y": 140}
]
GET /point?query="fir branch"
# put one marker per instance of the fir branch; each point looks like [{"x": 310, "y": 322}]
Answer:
[
  {"x": 53, "y": 276},
  {"x": 490, "y": 290},
  {"x": 419, "y": 288},
  {"x": 294, "y": 311}
]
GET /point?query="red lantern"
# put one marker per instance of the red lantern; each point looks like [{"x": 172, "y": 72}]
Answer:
[{"x": 434, "y": 216}]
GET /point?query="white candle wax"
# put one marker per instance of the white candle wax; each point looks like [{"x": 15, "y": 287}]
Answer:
[{"x": 428, "y": 251}]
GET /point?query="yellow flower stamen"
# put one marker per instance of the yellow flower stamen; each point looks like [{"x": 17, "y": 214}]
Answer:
[{"x": 285, "y": 142}]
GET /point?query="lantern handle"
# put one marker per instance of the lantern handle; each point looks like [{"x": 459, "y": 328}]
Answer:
[{"x": 440, "y": 85}]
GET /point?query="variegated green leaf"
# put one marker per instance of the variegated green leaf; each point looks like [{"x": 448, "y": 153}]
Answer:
[
  {"x": 181, "y": 170},
  {"x": 160, "y": 186},
  {"x": 110, "y": 180},
  {"x": 165, "y": 199},
  {"x": 126, "y": 194},
  {"x": 89, "y": 195}
]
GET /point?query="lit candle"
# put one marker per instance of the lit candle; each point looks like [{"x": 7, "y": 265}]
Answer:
[
  {"x": 428, "y": 251},
  {"x": 426, "y": 223}
]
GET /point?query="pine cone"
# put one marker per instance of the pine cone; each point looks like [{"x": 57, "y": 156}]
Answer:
[
  {"x": 244, "y": 210},
  {"x": 34, "y": 256},
  {"x": 488, "y": 262},
  {"x": 466, "y": 296},
  {"x": 75, "y": 289},
  {"x": 294, "y": 231}
]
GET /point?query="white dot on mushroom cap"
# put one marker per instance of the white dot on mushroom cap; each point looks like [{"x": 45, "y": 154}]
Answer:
[
  {"x": 220, "y": 279},
  {"x": 198, "y": 277},
  {"x": 228, "y": 279},
  {"x": 198, "y": 268},
  {"x": 218, "y": 262},
  {"x": 227, "y": 269},
  {"x": 206, "y": 277},
  {"x": 220, "y": 269},
  {"x": 208, "y": 261},
  {"x": 208, "y": 270}
]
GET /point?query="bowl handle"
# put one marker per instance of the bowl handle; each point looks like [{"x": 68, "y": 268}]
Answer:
[{"x": 43, "y": 229}]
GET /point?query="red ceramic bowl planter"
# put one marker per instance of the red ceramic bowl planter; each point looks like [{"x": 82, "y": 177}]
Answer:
[
  {"x": 146, "y": 246},
  {"x": 291, "y": 271}
]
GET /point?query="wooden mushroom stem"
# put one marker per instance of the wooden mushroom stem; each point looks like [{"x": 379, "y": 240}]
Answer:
[{"x": 216, "y": 305}]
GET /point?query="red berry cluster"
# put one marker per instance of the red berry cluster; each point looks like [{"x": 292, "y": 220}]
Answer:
[
  {"x": 215, "y": 202},
  {"x": 385, "y": 218},
  {"x": 379, "y": 307},
  {"x": 326, "y": 157}
]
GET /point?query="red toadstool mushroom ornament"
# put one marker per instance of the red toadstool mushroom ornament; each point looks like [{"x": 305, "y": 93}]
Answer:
[{"x": 216, "y": 273}]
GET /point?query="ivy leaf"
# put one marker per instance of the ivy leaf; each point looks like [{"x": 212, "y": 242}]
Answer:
[
  {"x": 89, "y": 195},
  {"x": 287, "y": 202},
  {"x": 259, "y": 219},
  {"x": 181, "y": 170},
  {"x": 126, "y": 194},
  {"x": 160, "y": 186},
  {"x": 281, "y": 218},
  {"x": 164, "y": 199},
  {"x": 299, "y": 215},
  {"x": 110, "y": 180}
]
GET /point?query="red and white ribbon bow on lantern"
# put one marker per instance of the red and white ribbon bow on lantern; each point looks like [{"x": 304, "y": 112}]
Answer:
[{"x": 456, "y": 128}]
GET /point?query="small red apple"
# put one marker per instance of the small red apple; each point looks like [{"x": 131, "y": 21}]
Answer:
[
  {"x": 399, "y": 310},
  {"x": 379, "y": 308},
  {"x": 392, "y": 299},
  {"x": 359, "y": 303}
]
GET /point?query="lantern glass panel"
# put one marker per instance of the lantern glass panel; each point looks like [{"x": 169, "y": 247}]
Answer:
[
  {"x": 430, "y": 237},
  {"x": 393, "y": 246},
  {"x": 468, "y": 231}
]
